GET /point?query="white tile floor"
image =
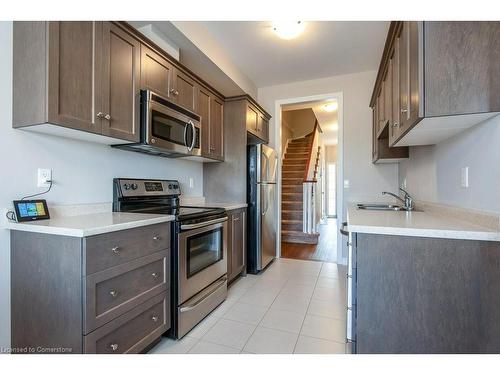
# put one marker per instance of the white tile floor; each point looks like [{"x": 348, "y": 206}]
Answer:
[{"x": 294, "y": 306}]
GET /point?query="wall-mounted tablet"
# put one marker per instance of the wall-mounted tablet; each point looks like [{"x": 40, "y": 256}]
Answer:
[{"x": 29, "y": 210}]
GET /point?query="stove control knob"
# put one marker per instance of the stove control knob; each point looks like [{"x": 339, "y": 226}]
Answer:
[
  {"x": 134, "y": 186},
  {"x": 170, "y": 186},
  {"x": 126, "y": 186}
]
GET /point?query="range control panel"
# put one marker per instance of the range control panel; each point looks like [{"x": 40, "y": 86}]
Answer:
[{"x": 147, "y": 188}]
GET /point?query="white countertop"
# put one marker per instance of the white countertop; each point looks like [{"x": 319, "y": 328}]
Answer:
[
  {"x": 417, "y": 224},
  {"x": 90, "y": 224},
  {"x": 226, "y": 206}
]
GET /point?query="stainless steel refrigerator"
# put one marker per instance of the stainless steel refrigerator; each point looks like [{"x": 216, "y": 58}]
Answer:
[{"x": 261, "y": 198}]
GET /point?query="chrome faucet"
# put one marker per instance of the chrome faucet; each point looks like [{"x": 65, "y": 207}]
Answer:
[{"x": 409, "y": 205}]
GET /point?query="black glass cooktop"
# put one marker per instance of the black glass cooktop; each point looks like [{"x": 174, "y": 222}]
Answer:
[{"x": 182, "y": 212}]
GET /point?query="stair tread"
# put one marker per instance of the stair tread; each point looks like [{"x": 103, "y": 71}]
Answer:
[
  {"x": 298, "y": 233},
  {"x": 290, "y": 221}
]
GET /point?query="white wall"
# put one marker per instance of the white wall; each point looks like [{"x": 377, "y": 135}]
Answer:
[
  {"x": 366, "y": 179},
  {"x": 433, "y": 172},
  {"x": 82, "y": 172}
]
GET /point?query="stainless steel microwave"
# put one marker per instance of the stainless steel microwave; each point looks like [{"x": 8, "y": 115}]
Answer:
[{"x": 167, "y": 129}]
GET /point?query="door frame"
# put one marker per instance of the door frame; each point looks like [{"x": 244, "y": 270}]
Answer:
[{"x": 339, "y": 96}]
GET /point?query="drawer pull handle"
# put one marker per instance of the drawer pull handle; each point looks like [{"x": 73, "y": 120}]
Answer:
[
  {"x": 115, "y": 250},
  {"x": 154, "y": 318},
  {"x": 113, "y": 293},
  {"x": 114, "y": 347},
  {"x": 155, "y": 275},
  {"x": 156, "y": 238}
]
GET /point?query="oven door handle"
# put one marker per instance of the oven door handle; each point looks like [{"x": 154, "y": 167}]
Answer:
[
  {"x": 202, "y": 298},
  {"x": 203, "y": 224}
]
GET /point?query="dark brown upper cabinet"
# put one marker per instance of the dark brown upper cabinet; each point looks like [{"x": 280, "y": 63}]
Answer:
[
  {"x": 449, "y": 78},
  {"x": 184, "y": 91},
  {"x": 257, "y": 121},
  {"x": 156, "y": 72},
  {"x": 90, "y": 81},
  {"x": 211, "y": 110},
  {"x": 121, "y": 63}
]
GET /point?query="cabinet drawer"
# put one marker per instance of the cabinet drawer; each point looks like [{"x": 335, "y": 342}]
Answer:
[
  {"x": 133, "y": 331},
  {"x": 111, "y": 249},
  {"x": 112, "y": 292}
]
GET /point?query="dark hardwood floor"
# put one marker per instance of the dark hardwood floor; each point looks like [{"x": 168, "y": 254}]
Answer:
[{"x": 324, "y": 251}]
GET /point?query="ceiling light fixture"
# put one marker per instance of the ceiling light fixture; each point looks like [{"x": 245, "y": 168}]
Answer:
[
  {"x": 330, "y": 107},
  {"x": 288, "y": 29}
]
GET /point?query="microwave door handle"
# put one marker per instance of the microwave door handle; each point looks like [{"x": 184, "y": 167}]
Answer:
[
  {"x": 194, "y": 136},
  {"x": 185, "y": 137}
]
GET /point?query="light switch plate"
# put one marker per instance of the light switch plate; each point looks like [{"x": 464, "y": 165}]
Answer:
[{"x": 346, "y": 184}]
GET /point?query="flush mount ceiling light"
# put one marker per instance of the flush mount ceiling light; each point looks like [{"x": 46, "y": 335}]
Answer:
[
  {"x": 288, "y": 29},
  {"x": 330, "y": 107}
]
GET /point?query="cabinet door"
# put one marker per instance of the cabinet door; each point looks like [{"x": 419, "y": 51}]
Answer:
[
  {"x": 185, "y": 90},
  {"x": 394, "y": 126},
  {"x": 415, "y": 60},
  {"x": 230, "y": 275},
  {"x": 203, "y": 109},
  {"x": 156, "y": 72},
  {"x": 239, "y": 242},
  {"x": 404, "y": 77},
  {"x": 120, "y": 88},
  {"x": 388, "y": 95},
  {"x": 75, "y": 75},
  {"x": 374, "y": 133},
  {"x": 263, "y": 128},
  {"x": 216, "y": 146},
  {"x": 252, "y": 120},
  {"x": 381, "y": 107}
]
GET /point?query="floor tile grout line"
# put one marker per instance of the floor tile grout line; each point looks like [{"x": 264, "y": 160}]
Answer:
[{"x": 305, "y": 315}]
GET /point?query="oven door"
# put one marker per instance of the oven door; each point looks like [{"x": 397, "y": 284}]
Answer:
[
  {"x": 172, "y": 130},
  {"x": 202, "y": 256}
]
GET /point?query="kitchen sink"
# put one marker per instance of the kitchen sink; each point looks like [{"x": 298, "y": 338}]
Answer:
[{"x": 380, "y": 207}]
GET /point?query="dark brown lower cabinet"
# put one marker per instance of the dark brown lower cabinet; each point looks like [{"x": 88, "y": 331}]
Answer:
[
  {"x": 426, "y": 295},
  {"x": 236, "y": 249},
  {"x": 60, "y": 303}
]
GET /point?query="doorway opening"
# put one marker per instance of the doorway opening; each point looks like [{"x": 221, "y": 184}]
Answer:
[{"x": 308, "y": 135}]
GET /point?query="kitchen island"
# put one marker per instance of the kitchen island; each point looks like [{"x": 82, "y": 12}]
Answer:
[{"x": 425, "y": 281}]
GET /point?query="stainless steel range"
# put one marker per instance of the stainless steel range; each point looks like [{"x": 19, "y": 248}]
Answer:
[{"x": 199, "y": 247}]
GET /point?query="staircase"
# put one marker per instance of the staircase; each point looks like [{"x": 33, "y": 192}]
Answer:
[{"x": 295, "y": 164}]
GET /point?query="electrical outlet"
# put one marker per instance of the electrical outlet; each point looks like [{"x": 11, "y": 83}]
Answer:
[
  {"x": 191, "y": 182},
  {"x": 44, "y": 175},
  {"x": 464, "y": 177}
]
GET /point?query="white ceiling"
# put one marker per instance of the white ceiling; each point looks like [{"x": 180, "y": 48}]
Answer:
[
  {"x": 328, "y": 121},
  {"x": 326, "y": 48}
]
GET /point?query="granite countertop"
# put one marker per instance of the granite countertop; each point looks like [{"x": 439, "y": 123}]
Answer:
[
  {"x": 431, "y": 223},
  {"x": 90, "y": 224}
]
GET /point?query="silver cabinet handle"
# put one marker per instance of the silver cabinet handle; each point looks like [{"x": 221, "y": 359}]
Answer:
[
  {"x": 115, "y": 249},
  {"x": 113, "y": 293},
  {"x": 395, "y": 125},
  {"x": 155, "y": 275},
  {"x": 154, "y": 318},
  {"x": 174, "y": 92},
  {"x": 404, "y": 110},
  {"x": 114, "y": 347},
  {"x": 236, "y": 219},
  {"x": 100, "y": 115},
  {"x": 156, "y": 238},
  {"x": 107, "y": 117}
]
